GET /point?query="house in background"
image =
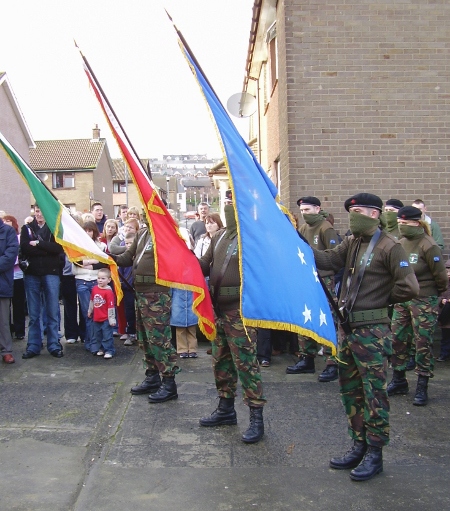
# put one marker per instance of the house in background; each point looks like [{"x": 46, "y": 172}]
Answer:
[
  {"x": 15, "y": 197},
  {"x": 352, "y": 96},
  {"x": 78, "y": 171}
]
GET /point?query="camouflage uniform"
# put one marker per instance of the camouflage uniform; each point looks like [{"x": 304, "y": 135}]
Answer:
[
  {"x": 152, "y": 306},
  {"x": 234, "y": 355},
  {"x": 362, "y": 377},
  {"x": 388, "y": 278},
  {"x": 154, "y": 333},
  {"x": 414, "y": 321}
]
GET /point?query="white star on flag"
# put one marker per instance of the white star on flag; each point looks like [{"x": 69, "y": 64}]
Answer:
[
  {"x": 307, "y": 314},
  {"x": 315, "y": 274},
  {"x": 323, "y": 318},
  {"x": 301, "y": 255}
]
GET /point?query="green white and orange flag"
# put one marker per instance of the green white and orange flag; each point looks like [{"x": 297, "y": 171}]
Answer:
[
  {"x": 67, "y": 231},
  {"x": 175, "y": 265}
]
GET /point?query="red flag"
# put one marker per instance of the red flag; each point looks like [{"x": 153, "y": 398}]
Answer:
[{"x": 176, "y": 265}]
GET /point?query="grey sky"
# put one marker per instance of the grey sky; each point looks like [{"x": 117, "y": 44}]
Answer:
[{"x": 133, "y": 51}]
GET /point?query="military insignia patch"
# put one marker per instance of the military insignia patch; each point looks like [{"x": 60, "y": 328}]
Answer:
[
  {"x": 436, "y": 259},
  {"x": 316, "y": 239},
  {"x": 413, "y": 258},
  {"x": 403, "y": 264}
]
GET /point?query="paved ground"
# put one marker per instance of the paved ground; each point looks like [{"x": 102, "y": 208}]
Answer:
[{"x": 73, "y": 438}]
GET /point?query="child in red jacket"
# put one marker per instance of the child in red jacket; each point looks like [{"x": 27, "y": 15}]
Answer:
[{"x": 102, "y": 308}]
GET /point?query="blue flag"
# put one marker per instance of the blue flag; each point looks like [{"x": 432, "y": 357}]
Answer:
[{"x": 280, "y": 287}]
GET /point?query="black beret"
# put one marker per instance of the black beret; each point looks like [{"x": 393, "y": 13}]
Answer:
[
  {"x": 312, "y": 201},
  {"x": 394, "y": 203},
  {"x": 409, "y": 213},
  {"x": 364, "y": 200}
]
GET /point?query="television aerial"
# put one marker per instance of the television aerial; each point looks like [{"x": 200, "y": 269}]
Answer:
[{"x": 241, "y": 105}]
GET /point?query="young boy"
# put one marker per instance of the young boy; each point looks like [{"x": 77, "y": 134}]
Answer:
[{"x": 102, "y": 309}]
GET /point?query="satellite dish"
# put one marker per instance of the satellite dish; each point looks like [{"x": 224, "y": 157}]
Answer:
[{"x": 241, "y": 104}]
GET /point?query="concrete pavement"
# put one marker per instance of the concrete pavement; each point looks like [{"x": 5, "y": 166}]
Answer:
[{"x": 73, "y": 438}]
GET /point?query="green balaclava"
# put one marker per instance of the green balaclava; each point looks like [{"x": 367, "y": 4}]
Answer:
[
  {"x": 230, "y": 219},
  {"x": 362, "y": 225},
  {"x": 391, "y": 220},
  {"x": 314, "y": 218},
  {"x": 411, "y": 231}
]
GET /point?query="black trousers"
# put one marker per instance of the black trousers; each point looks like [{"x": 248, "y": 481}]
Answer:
[
  {"x": 70, "y": 300},
  {"x": 18, "y": 309}
]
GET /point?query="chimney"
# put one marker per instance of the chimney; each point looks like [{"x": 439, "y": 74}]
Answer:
[{"x": 96, "y": 132}]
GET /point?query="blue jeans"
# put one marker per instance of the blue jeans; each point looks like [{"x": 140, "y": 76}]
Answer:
[
  {"x": 49, "y": 286},
  {"x": 84, "y": 289},
  {"x": 103, "y": 337}
]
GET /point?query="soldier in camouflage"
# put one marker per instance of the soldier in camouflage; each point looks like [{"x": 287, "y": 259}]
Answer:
[
  {"x": 320, "y": 234},
  {"x": 375, "y": 275},
  {"x": 233, "y": 351},
  {"x": 152, "y": 321},
  {"x": 415, "y": 320}
]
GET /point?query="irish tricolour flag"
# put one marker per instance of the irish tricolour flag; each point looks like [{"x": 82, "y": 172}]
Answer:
[{"x": 67, "y": 231}]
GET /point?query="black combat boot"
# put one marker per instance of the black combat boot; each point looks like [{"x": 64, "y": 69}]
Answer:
[
  {"x": 370, "y": 466},
  {"x": 166, "y": 392},
  {"x": 352, "y": 458},
  {"x": 398, "y": 384},
  {"x": 304, "y": 365},
  {"x": 421, "y": 397},
  {"x": 330, "y": 373},
  {"x": 151, "y": 383},
  {"x": 223, "y": 415},
  {"x": 411, "y": 363},
  {"x": 255, "y": 430}
]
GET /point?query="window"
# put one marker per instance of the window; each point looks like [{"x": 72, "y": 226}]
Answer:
[
  {"x": 119, "y": 187},
  {"x": 271, "y": 40},
  {"x": 64, "y": 180}
]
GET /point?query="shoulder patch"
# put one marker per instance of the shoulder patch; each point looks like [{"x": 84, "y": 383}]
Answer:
[
  {"x": 436, "y": 259},
  {"x": 332, "y": 242},
  {"x": 403, "y": 264}
]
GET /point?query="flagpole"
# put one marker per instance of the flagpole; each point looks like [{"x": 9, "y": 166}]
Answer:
[
  {"x": 183, "y": 40},
  {"x": 107, "y": 101}
]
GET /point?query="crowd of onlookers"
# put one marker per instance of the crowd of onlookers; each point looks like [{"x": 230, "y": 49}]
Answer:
[
  {"x": 42, "y": 278},
  {"x": 50, "y": 278}
]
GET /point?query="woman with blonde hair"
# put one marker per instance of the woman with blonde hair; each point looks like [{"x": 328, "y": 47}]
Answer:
[{"x": 110, "y": 229}]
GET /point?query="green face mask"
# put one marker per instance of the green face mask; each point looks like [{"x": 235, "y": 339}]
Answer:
[
  {"x": 410, "y": 231},
  {"x": 391, "y": 220},
  {"x": 362, "y": 225},
  {"x": 313, "y": 218}
]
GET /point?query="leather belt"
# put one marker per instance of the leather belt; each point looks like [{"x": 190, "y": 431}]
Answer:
[
  {"x": 146, "y": 279},
  {"x": 227, "y": 291},
  {"x": 368, "y": 316}
]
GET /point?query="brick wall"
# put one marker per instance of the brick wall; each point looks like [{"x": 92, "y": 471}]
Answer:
[{"x": 367, "y": 102}]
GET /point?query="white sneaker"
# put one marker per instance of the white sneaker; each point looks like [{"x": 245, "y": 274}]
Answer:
[
  {"x": 124, "y": 337},
  {"x": 107, "y": 355},
  {"x": 71, "y": 341},
  {"x": 130, "y": 340},
  {"x": 100, "y": 353}
]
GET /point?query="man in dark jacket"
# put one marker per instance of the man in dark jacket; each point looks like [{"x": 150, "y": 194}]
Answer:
[
  {"x": 9, "y": 249},
  {"x": 41, "y": 278},
  {"x": 99, "y": 216}
]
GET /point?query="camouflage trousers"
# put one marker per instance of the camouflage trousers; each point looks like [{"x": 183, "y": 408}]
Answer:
[
  {"x": 413, "y": 323},
  {"x": 154, "y": 333},
  {"x": 309, "y": 346},
  {"x": 234, "y": 354},
  {"x": 362, "y": 361}
]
